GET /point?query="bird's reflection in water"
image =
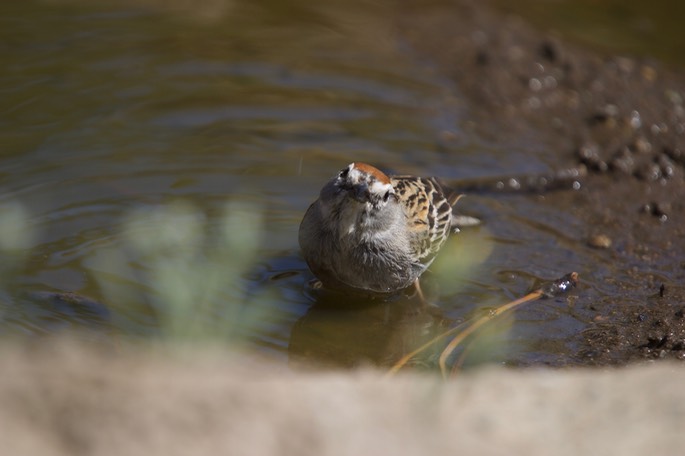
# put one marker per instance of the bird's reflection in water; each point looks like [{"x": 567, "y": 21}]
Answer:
[{"x": 343, "y": 330}]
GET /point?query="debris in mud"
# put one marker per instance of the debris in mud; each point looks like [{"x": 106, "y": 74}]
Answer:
[
  {"x": 655, "y": 330},
  {"x": 620, "y": 114},
  {"x": 659, "y": 210},
  {"x": 599, "y": 241}
]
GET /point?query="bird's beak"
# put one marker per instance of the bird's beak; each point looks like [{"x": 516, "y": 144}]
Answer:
[{"x": 360, "y": 193}]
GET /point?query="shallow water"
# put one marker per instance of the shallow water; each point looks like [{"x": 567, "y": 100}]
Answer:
[{"x": 164, "y": 156}]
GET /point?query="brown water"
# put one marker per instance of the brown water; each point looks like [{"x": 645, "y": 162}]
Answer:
[{"x": 163, "y": 157}]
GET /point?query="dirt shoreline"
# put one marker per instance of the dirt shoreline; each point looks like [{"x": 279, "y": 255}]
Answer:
[{"x": 621, "y": 119}]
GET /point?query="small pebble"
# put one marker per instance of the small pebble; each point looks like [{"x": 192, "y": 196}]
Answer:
[
  {"x": 624, "y": 161},
  {"x": 648, "y": 73},
  {"x": 667, "y": 166},
  {"x": 625, "y": 64},
  {"x": 649, "y": 172},
  {"x": 534, "y": 84},
  {"x": 599, "y": 241},
  {"x": 611, "y": 110},
  {"x": 588, "y": 154},
  {"x": 642, "y": 145},
  {"x": 657, "y": 209},
  {"x": 661, "y": 209}
]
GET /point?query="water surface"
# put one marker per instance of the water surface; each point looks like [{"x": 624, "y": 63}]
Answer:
[{"x": 161, "y": 158}]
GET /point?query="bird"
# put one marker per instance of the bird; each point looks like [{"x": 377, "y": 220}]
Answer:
[{"x": 370, "y": 232}]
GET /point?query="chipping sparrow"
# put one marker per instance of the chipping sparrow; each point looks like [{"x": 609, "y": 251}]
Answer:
[{"x": 371, "y": 232}]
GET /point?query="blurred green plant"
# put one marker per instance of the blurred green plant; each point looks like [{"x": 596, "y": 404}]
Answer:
[
  {"x": 14, "y": 235},
  {"x": 458, "y": 262},
  {"x": 15, "y": 238},
  {"x": 195, "y": 272},
  {"x": 461, "y": 256}
]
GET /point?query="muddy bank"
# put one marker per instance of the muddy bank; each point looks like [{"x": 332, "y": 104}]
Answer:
[
  {"x": 66, "y": 400},
  {"x": 621, "y": 119}
]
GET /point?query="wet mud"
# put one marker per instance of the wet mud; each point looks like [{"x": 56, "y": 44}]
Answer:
[{"x": 619, "y": 120}]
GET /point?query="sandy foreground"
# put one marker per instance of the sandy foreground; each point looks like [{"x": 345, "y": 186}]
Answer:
[{"x": 64, "y": 400}]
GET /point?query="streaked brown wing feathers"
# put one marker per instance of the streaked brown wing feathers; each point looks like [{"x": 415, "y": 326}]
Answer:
[{"x": 428, "y": 211}]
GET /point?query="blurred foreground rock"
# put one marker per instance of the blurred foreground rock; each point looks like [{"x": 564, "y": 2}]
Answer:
[{"x": 65, "y": 400}]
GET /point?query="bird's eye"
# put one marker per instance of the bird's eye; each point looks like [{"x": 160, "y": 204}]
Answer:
[
  {"x": 343, "y": 174},
  {"x": 386, "y": 196}
]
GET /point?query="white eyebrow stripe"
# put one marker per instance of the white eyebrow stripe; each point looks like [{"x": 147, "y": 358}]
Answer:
[
  {"x": 379, "y": 187},
  {"x": 354, "y": 175}
]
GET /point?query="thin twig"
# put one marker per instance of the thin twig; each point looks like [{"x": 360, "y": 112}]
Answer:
[
  {"x": 442, "y": 362},
  {"x": 547, "y": 289},
  {"x": 406, "y": 358}
]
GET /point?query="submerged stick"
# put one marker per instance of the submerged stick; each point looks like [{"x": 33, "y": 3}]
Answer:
[
  {"x": 442, "y": 361},
  {"x": 406, "y": 358},
  {"x": 547, "y": 290},
  {"x": 565, "y": 179}
]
